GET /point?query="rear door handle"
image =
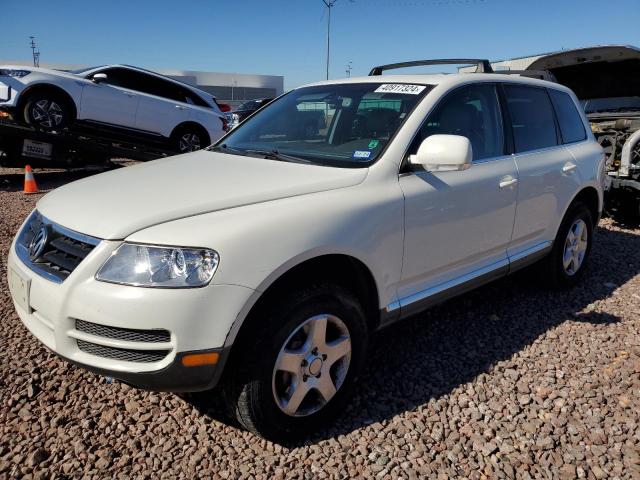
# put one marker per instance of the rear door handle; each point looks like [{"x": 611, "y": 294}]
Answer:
[
  {"x": 569, "y": 167},
  {"x": 508, "y": 181},
  {"x": 180, "y": 107}
]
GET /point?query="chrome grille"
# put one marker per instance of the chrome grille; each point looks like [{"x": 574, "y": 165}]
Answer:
[
  {"x": 128, "y": 334},
  {"x": 125, "y": 354},
  {"x": 62, "y": 252}
]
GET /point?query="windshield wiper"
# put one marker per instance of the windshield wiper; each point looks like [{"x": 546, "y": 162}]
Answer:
[
  {"x": 225, "y": 148},
  {"x": 276, "y": 155},
  {"x": 269, "y": 154}
]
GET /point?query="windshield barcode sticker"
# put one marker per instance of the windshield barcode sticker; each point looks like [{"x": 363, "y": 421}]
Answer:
[{"x": 400, "y": 88}]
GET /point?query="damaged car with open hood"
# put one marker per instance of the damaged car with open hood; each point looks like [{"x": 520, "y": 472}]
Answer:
[{"x": 606, "y": 80}]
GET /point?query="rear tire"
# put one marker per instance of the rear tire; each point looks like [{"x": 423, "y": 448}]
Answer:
[
  {"x": 189, "y": 138},
  {"x": 297, "y": 375},
  {"x": 48, "y": 111},
  {"x": 567, "y": 262}
]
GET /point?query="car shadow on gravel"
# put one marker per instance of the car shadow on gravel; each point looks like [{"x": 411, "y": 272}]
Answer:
[{"x": 428, "y": 356}]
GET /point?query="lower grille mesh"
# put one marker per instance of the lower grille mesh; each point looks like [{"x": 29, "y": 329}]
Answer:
[
  {"x": 129, "y": 334},
  {"x": 142, "y": 356}
]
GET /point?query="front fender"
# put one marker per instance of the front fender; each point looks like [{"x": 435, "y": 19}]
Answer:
[{"x": 69, "y": 87}]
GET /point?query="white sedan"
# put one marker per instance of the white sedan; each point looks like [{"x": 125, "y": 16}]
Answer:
[{"x": 114, "y": 97}]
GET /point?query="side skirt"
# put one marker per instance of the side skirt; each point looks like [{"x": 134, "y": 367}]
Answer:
[{"x": 418, "y": 302}]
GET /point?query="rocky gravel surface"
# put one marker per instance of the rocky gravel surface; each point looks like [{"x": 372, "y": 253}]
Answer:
[{"x": 510, "y": 381}]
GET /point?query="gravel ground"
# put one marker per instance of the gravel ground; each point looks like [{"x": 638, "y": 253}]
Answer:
[{"x": 508, "y": 381}]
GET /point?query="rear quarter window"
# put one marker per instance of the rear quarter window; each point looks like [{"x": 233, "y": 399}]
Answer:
[{"x": 570, "y": 121}]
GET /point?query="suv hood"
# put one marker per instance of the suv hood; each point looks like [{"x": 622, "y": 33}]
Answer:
[
  {"x": 595, "y": 72},
  {"x": 118, "y": 203}
]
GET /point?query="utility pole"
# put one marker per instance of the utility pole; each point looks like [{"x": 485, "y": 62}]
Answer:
[
  {"x": 34, "y": 52},
  {"x": 348, "y": 70}
]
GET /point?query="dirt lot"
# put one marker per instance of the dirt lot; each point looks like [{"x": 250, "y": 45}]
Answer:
[{"x": 509, "y": 381}]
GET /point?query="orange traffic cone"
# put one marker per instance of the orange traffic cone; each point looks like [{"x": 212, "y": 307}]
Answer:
[{"x": 30, "y": 185}]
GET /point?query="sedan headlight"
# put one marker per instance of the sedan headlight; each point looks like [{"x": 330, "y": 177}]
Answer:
[
  {"x": 14, "y": 73},
  {"x": 164, "y": 267}
]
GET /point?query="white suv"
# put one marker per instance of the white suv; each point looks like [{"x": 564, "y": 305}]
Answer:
[
  {"x": 117, "y": 97},
  {"x": 336, "y": 210}
]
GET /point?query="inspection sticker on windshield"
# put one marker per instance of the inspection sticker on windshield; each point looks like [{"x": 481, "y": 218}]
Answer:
[
  {"x": 400, "y": 88},
  {"x": 361, "y": 154}
]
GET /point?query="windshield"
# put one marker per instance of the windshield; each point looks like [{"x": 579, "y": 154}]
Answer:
[
  {"x": 346, "y": 125},
  {"x": 614, "y": 104},
  {"x": 83, "y": 70}
]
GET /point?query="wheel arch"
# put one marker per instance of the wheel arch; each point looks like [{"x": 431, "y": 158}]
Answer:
[
  {"x": 590, "y": 197},
  {"x": 344, "y": 270},
  {"x": 46, "y": 87},
  {"x": 190, "y": 123}
]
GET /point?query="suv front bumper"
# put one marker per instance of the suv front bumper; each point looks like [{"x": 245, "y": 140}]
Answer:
[
  {"x": 173, "y": 378},
  {"x": 137, "y": 335}
]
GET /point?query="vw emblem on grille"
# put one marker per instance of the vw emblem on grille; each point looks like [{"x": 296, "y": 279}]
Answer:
[{"x": 38, "y": 243}]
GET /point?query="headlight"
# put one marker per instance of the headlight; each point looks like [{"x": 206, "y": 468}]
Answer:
[
  {"x": 164, "y": 267},
  {"x": 15, "y": 73}
]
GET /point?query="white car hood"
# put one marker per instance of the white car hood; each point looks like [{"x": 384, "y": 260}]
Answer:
[{"x": 118, "y": 203}]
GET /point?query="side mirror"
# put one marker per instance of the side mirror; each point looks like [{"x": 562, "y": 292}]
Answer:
[
  {"x": 443, "y": 153},
  {"x": 99, "y": 77}
]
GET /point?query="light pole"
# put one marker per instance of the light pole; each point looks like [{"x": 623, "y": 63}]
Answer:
[{"x": 329, "y": 4}]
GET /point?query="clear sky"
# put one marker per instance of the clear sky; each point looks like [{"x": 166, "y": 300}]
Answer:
[{"x": 288, "y": 37}]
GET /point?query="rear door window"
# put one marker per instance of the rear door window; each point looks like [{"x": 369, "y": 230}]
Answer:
[
  {"x": 532, "y": 117},
  {"x": 570, "y": 121}
]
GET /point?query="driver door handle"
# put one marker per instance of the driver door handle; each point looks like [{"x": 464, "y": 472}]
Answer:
[
  {"x": 569, "y": 167},
  {"x": 508, "y": 181}
]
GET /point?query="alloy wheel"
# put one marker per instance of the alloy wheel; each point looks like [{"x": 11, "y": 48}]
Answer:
[
  {"x": 575, "y": 247},
  {"x": 47, "y": 113},
  {"x": 312, "y": 365},
  {"x": 189, "y": 142}
]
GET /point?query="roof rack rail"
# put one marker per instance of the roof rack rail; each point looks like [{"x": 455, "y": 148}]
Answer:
[
  {"x": 539, "y": 74},
  {"x": 483, "y": 65}
]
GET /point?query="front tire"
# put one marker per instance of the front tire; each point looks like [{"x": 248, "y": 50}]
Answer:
[
  {"x": 568, "y": 260},
  {"x": 48, "y": 111},
  {"x": 304, "y": 364}
]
